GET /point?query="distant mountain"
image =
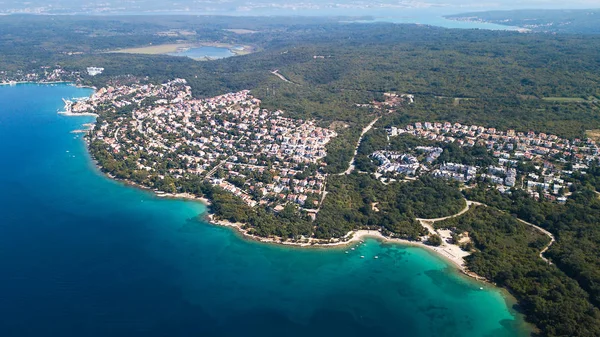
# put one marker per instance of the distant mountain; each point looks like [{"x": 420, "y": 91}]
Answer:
[{"x": 585, "y": 21}]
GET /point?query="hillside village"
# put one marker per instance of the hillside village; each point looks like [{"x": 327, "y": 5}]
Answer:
[
  {"x": 256, "y": 154},
  {"x": 45, "y": 74},
  {"x": 270, "y": 160}
]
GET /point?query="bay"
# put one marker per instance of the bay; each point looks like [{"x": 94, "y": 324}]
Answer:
[
  {"x": 205, "y": 52},
  {"x": 83, "y": 255}
]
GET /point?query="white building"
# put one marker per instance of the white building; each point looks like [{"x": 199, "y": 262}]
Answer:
[{"x": 93, "y": 71}]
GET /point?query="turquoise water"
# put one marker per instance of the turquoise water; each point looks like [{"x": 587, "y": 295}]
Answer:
[
  {"x": 202, "y": 52},
  {"x": 81, "y": 255}
]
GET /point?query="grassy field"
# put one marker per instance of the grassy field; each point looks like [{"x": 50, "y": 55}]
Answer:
[
  {"x": 593, "y": 134},
  {"x": 565, "y": 99},
  {"x": 154, "y": 50}
]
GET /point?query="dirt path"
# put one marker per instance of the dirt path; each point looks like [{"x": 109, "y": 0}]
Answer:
[
  {"x": 276, "y": 73},
  {"x": 365, "y": 130},
  {"x": 547, "y": 233},
  {"x": 428, "y": 224},
  {"x": 463, "y": 211},
  {"x": 550, "y": 235}
]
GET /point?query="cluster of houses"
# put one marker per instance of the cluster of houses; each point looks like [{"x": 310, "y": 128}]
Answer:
[
  {"x": 506, "y": 144},
  {"x": 458, "y": 172},
  {"x": 549, "y": 155},
  {"x": 391, "y": 161},
  {"x": 390, "y": 102},
  {"x": 259, "y": 155},
  {"x": 500, "y": 175},
  {"x": 45, "y": 74}
]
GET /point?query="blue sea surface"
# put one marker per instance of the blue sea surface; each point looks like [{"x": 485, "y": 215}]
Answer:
[{"x": 84, "y": 256}]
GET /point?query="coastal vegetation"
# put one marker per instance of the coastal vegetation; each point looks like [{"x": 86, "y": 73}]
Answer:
[
  {"x": 574, "y": 224},
  {"x": 506, "y": 252},
  {"x": 350, "y": 205}
]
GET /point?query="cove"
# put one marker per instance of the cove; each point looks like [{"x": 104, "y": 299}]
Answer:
[{"x": 83, "y": 255}]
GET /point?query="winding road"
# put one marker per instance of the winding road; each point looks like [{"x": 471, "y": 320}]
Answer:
[
  {"x": 552, "y": 239},
  {"x": 428, "y": 223}
]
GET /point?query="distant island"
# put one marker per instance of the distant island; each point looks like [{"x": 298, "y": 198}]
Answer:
[{"x": 582, "y": 21}]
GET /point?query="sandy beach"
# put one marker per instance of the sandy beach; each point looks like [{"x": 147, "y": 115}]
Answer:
[
  {"x": 449, "y": 252},
  {"x": 187, "y": 196}
]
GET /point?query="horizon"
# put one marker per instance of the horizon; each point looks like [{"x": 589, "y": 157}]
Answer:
[{"x": 282, "y": 7}]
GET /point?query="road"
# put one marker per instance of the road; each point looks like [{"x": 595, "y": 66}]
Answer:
[
  {"x": 276, "y": 73},
  {"x": 365, "y": 130},
  {"x": 428, "y": 223},
  {"x": 547, "y": 233},
  {"x": 463, "y": 211},
  {"x": 214, "y": 169},
  {"x": 552, "y": 239}
]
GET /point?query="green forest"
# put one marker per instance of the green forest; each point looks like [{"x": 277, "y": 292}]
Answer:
[{"x": 360, "y": 201}]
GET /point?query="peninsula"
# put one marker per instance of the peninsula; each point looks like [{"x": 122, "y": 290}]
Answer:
[{"x": 228, "y": 151}]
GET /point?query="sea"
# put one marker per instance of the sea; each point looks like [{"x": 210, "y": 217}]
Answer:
[{"x": 82, "y": 255}]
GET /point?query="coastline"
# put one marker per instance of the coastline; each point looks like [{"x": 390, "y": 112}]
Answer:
[
  {"x": 449, "y": 255},
  {"x": 75, "y": 114},
  {"x": 509, "y": 28},
  {"x": 186, "y": 196},
  {"x": 11, "y": 83},
  {"x": 349, "y": 239}
]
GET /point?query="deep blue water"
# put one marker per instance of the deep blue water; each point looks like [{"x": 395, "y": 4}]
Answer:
[{"x": 81, "y": 255}]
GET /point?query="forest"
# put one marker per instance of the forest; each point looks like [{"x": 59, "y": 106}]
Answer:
[
  {"x": 358, "y": 201},
  {"x": 574, "y": 224}
]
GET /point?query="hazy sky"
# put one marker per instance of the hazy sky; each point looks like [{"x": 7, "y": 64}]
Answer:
[{"x": 276, "y": 6}]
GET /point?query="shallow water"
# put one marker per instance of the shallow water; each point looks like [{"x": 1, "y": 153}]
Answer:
[{"x": 204, "y": 52}]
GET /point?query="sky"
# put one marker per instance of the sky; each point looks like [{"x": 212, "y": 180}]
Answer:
[{"x": 276, "y": 6}]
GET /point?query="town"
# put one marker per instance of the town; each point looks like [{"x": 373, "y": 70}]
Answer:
[
  {"x": 45, "y": 74},
  {"x": 554, "y": 159},
  {"x": 256, "y": 154}
]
